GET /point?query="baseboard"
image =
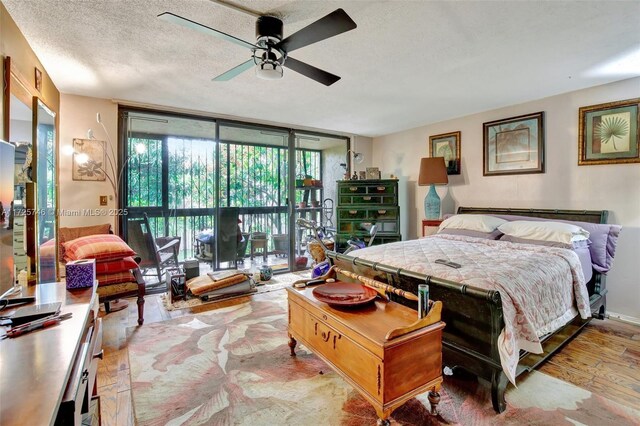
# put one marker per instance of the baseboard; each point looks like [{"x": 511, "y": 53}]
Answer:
[{"x": 624, "y": 318}]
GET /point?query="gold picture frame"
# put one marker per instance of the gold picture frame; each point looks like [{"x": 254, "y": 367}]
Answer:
[
  {"x": 609, "y": 133},
  {"x": 447, "y": 145}
]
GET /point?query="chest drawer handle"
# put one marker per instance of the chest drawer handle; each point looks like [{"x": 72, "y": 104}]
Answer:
[
  {"x": 353, "y": 211},
  {"x": 353, "y": 188},
  {"x": 366, "y": 198},
  {"x": 382, "y": 212},
  {"x": 380, "y": 188}
]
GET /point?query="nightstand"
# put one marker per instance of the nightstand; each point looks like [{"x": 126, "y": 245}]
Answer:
[{"x": 430, "y": 227}]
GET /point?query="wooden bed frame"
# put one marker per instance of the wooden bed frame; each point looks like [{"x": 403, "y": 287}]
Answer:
[{"x": 474, "y": 316}]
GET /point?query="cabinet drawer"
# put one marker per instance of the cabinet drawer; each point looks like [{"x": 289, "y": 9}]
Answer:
[
  {"x": 367, "y": 199},
  {"x": 355, "y": 226},
  {"x": 381, "y": 213},
  {"x": 353, "y": 189},
  {"x": 352, "y": 213},
  {"x": 382, "y": 188}
]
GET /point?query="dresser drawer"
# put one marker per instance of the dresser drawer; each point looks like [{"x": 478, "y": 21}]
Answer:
[
  {"x": 367, "y": 199},
  {"x": 362, "y": 366},
  {"x": 352, "y": 213},
  {"x": 381, "y": 213},
  {"x": 352, "y": 189}
]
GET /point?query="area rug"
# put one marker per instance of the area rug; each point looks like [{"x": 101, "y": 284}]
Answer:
[
  {"x": 231, "y": 366},
  {"x": 277, "y": 282}
]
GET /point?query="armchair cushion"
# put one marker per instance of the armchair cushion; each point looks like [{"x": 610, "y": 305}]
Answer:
[
  {"x": 99, "y": 247},
  {"x": 116, "y": 278}
]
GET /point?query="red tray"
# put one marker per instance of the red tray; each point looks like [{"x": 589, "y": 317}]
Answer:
[{"x": 341, "y": 293}]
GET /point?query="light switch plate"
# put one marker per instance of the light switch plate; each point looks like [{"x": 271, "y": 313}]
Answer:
[{"x": 103, "y": 200}]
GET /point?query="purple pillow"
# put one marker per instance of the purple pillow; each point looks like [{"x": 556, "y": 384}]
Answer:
[
  {"x": 603, "y": 237},
  {"x": 468, "y": 233}
]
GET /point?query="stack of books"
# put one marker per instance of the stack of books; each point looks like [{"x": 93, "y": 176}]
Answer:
[{"x": 221, "y": 285}]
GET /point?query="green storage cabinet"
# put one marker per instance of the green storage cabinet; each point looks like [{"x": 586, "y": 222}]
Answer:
[{"x": 362, "y": 203}]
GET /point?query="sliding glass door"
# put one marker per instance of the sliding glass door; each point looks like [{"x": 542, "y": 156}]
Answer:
[
  {"x": 254, "y": 176},
  {"x": 231, "y": 192}
]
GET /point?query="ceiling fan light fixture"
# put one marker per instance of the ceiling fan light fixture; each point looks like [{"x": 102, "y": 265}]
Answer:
[{"x": 269, "y": 70}]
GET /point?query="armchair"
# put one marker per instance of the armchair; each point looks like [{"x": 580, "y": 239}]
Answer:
[{"x": 110, "y": 292}]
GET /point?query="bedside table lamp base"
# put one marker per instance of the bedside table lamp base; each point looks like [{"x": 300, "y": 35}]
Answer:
[{"x": 432, "y": 204}]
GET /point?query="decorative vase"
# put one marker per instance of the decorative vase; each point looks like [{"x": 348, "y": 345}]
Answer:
[
  {"x": 432, "y": 204},
  {"x": 266, "y": 273}
]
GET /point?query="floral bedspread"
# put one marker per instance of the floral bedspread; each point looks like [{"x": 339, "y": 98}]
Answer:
[{"x": 541, "y": 287}]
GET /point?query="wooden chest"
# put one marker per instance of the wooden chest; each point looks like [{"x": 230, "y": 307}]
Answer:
[{"x": 382, "y": 349}]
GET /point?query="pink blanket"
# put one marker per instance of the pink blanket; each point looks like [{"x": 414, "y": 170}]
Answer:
[{"x": 541, "y": 287}]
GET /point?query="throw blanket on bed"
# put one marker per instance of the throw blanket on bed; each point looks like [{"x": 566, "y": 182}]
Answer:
[{"x": 540, "y": 287}]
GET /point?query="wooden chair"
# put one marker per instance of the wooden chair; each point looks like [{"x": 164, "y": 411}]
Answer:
[{"x": 155, "y": 254}]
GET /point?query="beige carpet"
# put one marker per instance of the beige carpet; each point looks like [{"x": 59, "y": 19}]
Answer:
[
  {"x": 276, "y": 282},
  {"x": 231, "y": 366}
]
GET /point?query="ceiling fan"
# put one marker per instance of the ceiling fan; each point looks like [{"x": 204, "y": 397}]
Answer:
[{"x": 271, "y": 52}]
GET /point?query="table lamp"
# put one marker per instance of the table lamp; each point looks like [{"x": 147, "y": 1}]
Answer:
[{"x": 433, "y": 172}]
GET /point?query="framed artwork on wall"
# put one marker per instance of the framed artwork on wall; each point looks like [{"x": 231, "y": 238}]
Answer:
[
  {"x": 514, "y": 145},
  {"x": 88, "y": 160},
  {"x": 447, "y": 145},
  {"x": 608, "y": 133}
]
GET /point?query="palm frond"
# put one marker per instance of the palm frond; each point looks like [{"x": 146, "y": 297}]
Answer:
[{"x": 611, "y": 128}]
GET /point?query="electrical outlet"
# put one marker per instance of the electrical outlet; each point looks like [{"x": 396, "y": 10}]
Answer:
[{"x": 103, "y": 200}]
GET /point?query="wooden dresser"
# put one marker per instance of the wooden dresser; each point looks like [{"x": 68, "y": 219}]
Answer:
[
  {"x": 362, "y": 203},
  {"x": 381, "y": 349},
  {"x": 47, "y": 376}
]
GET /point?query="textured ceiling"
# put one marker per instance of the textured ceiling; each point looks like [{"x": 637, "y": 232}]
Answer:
[{"x": 408, "y": 63}]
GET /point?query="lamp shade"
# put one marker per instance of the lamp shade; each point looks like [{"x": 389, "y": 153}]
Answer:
[{"x": 433, "y": 171}]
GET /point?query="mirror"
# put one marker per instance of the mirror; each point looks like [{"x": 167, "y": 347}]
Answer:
[
  {"x": 31, "y": 221},
  {"x": 45, "y": 178}
]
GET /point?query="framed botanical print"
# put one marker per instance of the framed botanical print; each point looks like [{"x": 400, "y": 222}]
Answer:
[
  {"x": 514, "y": 145},
  {"x": 447, "y": 145},
  {"x": 88, "y": 160},
  {"x": 608, "y": 133}
]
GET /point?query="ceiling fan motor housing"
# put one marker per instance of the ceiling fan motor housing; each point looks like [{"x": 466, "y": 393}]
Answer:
[{"x": 268, "y": 29}]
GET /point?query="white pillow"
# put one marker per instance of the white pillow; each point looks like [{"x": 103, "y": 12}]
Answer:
[
  {"x": 544, "y": 231},
  {"x": 472, "y": 222}
]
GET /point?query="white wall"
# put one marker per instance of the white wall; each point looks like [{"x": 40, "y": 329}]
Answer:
[
  {"x": 77, "y": 114},
  {"x": 564, "y": 185}
]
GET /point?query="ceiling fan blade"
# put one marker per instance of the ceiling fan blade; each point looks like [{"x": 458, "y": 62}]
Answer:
[
  {"x": 175, "y": 19},
  {"x": 310, "y": 71},
  {"x": 337, "y": 22},
  {"x": 235, "y": 71}
]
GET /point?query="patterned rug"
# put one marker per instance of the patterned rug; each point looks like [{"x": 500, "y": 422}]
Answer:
[
  {"x": 231, "y": 366},
  {"x": 276, "y": 282}
]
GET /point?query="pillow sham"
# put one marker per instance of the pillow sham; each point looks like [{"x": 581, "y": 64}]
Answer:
[
  {"x": 477, "y": 234},
  {"x": 67, "y": 234},
  {"x": 572, "y": 246},
  {"x": 99, "y": 247},
  {"x": 472, "y": 222},
  {"x": 544, "y": 231}
]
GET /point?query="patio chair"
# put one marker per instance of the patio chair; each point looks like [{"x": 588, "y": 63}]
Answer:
[{"x": 155, "y": 254}]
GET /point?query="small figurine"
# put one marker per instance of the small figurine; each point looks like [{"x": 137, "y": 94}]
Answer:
[{"x": 355, "y": 176}]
